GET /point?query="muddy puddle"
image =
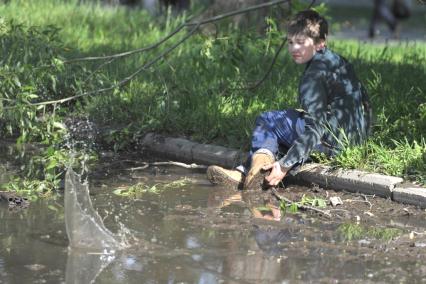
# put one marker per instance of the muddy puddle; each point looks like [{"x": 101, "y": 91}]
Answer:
[{"x": 184, "y": 230}]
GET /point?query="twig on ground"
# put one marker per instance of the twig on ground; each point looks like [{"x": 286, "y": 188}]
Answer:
[
  {"x": 325, "y": 213},
  {"x": 347, "y": 212},
  {"x": 127, "y": 161},
  {"x": 366, "y": 200},
  {"x": 340, "y": 210},
  {"x": 169, "y": 163},
  {"x": 139, "y": 168},
  {"x": 364, "y": 195}
]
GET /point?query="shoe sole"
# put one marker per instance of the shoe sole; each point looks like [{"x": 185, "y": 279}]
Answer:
[
  {"x": 258, "y": 181},
  {"x": 216, "y": 176}
]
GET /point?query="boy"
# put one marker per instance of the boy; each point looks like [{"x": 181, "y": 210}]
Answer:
[{"x": 334, "y": 111}]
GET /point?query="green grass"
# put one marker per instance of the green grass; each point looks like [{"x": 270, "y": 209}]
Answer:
[
  {"x": 196, "y": 91},
  {"x": 351, "y": 231}
]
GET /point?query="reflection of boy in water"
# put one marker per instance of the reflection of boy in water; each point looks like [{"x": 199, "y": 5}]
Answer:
[{"x": 334, "y": 111}]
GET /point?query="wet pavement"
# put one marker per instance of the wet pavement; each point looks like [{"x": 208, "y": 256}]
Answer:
[{"x": 185, "y": 230}]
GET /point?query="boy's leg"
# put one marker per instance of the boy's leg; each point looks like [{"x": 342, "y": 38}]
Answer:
[
  {"x": 272, "y": 129},
  {"x": 382, "y": 12}
]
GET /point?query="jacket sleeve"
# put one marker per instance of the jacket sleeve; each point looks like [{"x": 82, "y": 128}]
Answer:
[{"x": 313, "y": 100}]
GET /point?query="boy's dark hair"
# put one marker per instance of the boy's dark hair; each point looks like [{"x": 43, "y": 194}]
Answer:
[{"x": 308, "y": 23}]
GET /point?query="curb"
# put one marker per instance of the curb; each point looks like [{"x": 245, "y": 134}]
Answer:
[
  {"x": 337, "y": 179},
  {"x": 350, "y": 180},
  {"x": 187, "y": 151}
]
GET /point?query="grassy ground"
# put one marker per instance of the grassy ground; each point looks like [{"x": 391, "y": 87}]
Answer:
[{"x": 198, "y": 90}]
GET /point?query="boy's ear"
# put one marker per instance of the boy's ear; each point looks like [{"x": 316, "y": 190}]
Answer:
[{"x": 320, "y": 45}]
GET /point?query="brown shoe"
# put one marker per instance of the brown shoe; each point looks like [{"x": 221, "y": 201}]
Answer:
[
  {"x": 256, "y": 176},
  {"x": 219, "y": 175}
]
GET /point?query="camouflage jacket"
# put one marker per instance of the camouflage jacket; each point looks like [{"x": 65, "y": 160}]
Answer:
[{"x": 335, "y": 107}]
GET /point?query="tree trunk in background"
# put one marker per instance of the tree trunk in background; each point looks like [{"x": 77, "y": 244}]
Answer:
[{"x": 247, "y": 20}]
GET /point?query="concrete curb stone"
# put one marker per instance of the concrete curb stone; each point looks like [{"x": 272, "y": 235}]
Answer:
[
  {"x": 173, "y": 148},
  {"x": 191, "y": 152},
  {"x": 410, "y": 195},
  {"x": 338, "y": 179},
  {"x": 349, "y": 180}
]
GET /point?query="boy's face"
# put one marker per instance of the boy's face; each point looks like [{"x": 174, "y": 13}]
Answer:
[{"x": 302, "y": 48}]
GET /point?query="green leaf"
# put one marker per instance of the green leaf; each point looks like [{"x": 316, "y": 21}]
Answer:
[
  {"x": 52, "y": 164},
  {"x": 53, "y": 208},
  {"x": 264, "y": 209},
  {"x": 322, "y": 203},
  {"x": 32, "y": 96},
  {"x": 59, "y": 125},
  {"x": 17, "y": 82},
  {"x": 294, "y": 208}
]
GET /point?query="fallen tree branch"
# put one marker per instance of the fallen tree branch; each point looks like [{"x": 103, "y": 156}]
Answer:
[
  {"x": 196, "y": 25},
  {"x": 274, "y": 60},
  {"x": 98, "y": 68},
  {"x": 125, "y": 80},
  {"x": 325, "y": 213},
  {"x": 127, "y": 53},
  {"x": 178, "y": 29}
]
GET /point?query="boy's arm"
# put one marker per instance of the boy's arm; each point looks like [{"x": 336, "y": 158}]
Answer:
[{"x": 313, "y": 99}]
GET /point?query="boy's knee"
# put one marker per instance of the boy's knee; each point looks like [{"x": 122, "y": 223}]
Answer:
[
  {"x": 265, "y": 116},
  {"x": 261, "y": 118}
]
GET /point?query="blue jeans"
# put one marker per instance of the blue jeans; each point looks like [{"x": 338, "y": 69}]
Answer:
[
  {"x": 275, "y": 128},
  {"x": 272, "y": 130}
]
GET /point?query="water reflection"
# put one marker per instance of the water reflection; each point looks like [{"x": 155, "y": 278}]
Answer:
[
  {"x": 193, "y": 235},
  {"x": 271, "y": 241},
  {"x": 2, "y": 272},
  {"x": 188, "y": 249},
  {"x": 193, "y": 243},
  {"x": 84, "y": 267},
  {"x": 207, "y": 278}
]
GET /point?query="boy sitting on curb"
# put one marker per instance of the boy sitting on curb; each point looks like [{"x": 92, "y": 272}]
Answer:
[{"x": 335, "y": 110}]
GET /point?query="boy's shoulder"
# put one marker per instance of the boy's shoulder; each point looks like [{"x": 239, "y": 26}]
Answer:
[{"x": 325, "y": 61}]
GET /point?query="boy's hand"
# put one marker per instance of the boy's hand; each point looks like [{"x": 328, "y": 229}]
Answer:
[{"x": 276, "y": 175}]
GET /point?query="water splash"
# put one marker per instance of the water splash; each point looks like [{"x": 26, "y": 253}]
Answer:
[
  {"x": 92, "y": 247},
  {"x": 83, "y": 267},
  {"x": 84, "y": 226}
]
